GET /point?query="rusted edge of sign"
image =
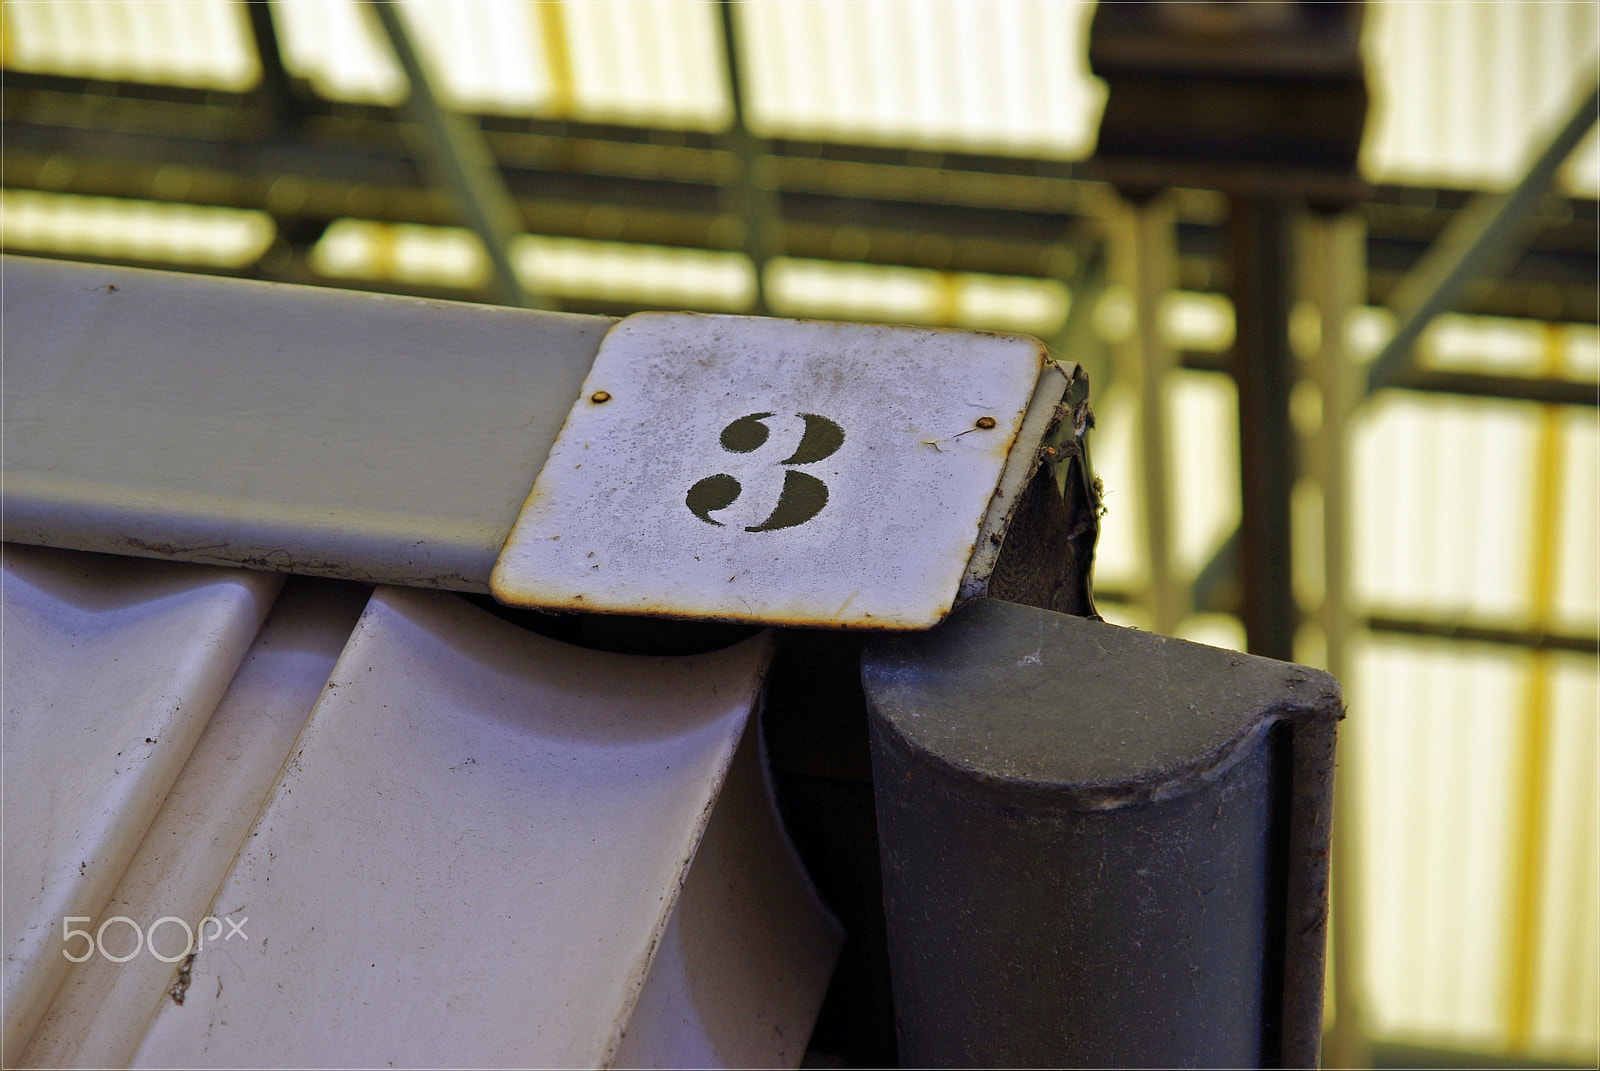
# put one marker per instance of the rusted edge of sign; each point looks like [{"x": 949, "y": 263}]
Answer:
[
  {"x": 1045, "y": 413},
  {"x": 1046, "y": 553}
]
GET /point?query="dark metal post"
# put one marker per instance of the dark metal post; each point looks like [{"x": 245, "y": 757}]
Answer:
[
  {"x": 1260, "y": 237},
  {"x": 463, "y": 164},
  {"x": 756, "y": 206},
  {"x": 1481, "y": 241},
  {"x": 1101, "y": 847}
]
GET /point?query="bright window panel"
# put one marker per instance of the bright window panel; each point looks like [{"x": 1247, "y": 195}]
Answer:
[
  {"x": 1214, "y": 630},
  {"x": 1486, "y": 344},
  {"x": 1464, "y": 94},
  {"x": 565, "y": 267},
  {"x": 1126, "y": 614},
  {"x": 1430, "y": 744},
  {"x": 1195, "y": 321},
  {"x": 203, "y": 43},
  {"x": 648, "y": 62},
  {"x": 132, "y": 230},
  {"x": 838, "y": 291},
  {"x": 1010, "y": 303},
  {"x": 845, "y": 291},
  {"x": 436, "y": 256},
  {"x": 655, "y": 275},
  {"x": 1582, "y": 356},
  {"x": 1566, "y": 989},
  {"x": 488, "y": 55},
  {"x": 1001, "y": 75},
  {"x": 1203, "y": 465},
  {"x": 1120, "y": 563},
  {"x": 1576, "y": 598},
  {"x": 339, "y": 49},
  {"x": 1443, "y": 505}
]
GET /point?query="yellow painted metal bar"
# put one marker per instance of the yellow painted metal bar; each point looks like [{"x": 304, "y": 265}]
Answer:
[
  {"x": 1143, "y": 258},
  {"x": 557, "y": 56},
  {"x": 1528, "y": 850},
  {"x": 1335, "y": 278}
]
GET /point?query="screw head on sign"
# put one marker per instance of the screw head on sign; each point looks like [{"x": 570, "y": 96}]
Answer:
[
  {"x": 986, "y": 422},
  {"x": 599, "y": 397}
]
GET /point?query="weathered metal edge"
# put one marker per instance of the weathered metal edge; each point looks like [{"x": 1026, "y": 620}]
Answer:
[
  {"x": 1321, "y": 705},
  {"x": 1156, "y": 787},
  {"x": 1027, "y": 453}
]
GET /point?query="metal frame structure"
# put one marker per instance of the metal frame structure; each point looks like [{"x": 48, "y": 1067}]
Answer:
[{"x": 308, "y": 161}]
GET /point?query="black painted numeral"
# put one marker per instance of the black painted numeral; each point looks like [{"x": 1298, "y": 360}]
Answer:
[{"x": 803, "y": 495}]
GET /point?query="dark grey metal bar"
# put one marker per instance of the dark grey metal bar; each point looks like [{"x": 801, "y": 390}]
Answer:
[
  {"x": 1478, "y": 243},
  {"x": 1449, "y": 381},
  {"x": 756, "y": 206},
  {"x": 276, "y": 86},
  {"x": 1260, "y": 236},
  {"x": 1467, "y": 631},
  {"x": 666, "y": 187},
  {"x": 1101, "y": 847},
  {"x": 466, "y": 167}
]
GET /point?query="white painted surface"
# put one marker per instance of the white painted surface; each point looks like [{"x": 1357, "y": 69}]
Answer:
[
  {"x": 746, "y": 957},
  {"x": 906, "y": 487},
  {"x": 100, "y": 1012},
  {"x": 294, "y": 428},
  {"x": 473, "y": 853},
  {"x": 112, "y": 668}
]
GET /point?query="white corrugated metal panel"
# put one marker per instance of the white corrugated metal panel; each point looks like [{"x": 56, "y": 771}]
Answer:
[
  {"x": 112, "y": 668},
  {"x": 475, "y": 813},
  {"x": 100, "y": 1012},
  {"x": 539, "y": 848}
]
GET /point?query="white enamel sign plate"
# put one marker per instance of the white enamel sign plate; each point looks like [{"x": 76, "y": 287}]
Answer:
[{"x": 773, "y": 471}]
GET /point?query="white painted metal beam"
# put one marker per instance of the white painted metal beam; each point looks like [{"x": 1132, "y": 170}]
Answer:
[
  {"x": 734, "y": 468},
  {"x": 286, "y": 428}
]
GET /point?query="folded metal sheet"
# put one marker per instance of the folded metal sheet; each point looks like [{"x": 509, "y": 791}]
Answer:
[
  {"x": 299, "y": 429},
  {"x": 747, "y": 955},
  {"x": 100, "y": 1012},
  {"x": 112, "y": 668},
  {"x": 474, "y": 855}
]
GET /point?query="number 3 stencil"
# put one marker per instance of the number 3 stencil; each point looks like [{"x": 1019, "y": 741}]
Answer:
[{"x": 803, "y": 495}]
